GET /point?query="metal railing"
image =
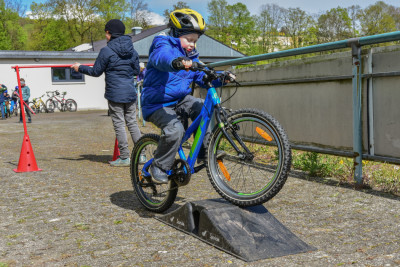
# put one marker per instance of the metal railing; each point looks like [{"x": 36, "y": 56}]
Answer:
[{"x": 355, "y": 44}]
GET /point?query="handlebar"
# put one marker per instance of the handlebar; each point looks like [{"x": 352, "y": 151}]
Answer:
[
  {"x": 211, "y": 74},
  {"x": 56, "y": 92}
]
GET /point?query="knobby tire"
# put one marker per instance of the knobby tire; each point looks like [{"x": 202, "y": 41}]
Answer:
[
  {"x": 254, "y": 180},
  {"x": 156, "y": 198}
]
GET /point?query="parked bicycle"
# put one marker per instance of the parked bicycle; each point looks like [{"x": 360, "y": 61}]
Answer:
[
  {"x": 248, "y": 155},
  {"x": 13, "y": 108},
  {"x": 62, "y": 104},
  {"x": 38, "y": 105},
  {"x": 6, "y": 108}
]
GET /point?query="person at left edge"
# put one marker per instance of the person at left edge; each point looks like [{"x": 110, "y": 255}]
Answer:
[
  {"x": 3, "y": 92},
  {"x": 120, "y": 63}
]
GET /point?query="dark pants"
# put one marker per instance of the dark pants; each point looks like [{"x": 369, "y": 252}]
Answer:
[
  {"x": 28, "y": 113},
  {"x": 169, "y": 120}
]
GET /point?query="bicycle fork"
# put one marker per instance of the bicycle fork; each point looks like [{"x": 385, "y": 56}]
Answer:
[{"x": 224, "y": 124}]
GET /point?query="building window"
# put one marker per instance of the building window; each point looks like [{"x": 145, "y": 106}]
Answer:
[{"x": 66, "y": 75}]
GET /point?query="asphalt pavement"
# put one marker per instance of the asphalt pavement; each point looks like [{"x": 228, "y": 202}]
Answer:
[{"x": 80, "y": 211}]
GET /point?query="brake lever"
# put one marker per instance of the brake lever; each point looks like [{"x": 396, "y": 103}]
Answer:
[{"x": 196, "y": 66}]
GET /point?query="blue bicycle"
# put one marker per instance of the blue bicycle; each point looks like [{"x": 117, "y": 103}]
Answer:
[{"x": 248, "y": 155}]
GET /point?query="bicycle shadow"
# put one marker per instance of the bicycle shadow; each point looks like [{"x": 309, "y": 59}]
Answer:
[
  {"x": 91, "y": 157},
  {"x": 128, "y": 200}
]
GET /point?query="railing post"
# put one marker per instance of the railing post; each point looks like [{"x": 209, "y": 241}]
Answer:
[
  {"x": 370, "y": 106},
  {"x": 357, "y": 104}
]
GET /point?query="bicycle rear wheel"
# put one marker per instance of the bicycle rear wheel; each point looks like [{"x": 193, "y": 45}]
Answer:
[
  {"x": 154, "y": 197},
  {"x": 70, "y": 105},
  {"x": 249, "y": 179}
]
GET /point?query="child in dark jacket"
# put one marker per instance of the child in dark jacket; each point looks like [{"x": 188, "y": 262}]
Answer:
[
  {"x": 120, "y": 63},
  {"x": 166, "y": 88}
]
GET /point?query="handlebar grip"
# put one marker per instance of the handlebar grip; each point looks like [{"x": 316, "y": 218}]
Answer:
[{"x": 178, "y": 65}]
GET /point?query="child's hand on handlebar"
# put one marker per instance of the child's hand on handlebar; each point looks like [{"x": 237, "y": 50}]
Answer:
[
  {"x": 229, "y": 76},
  {"x": 182, "y": 63}
]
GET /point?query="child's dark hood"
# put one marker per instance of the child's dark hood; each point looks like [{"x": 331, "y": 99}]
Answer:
[{"x": 122, "y": 46}]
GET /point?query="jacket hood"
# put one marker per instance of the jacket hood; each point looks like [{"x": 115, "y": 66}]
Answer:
[{"x": 122, "y": 46}]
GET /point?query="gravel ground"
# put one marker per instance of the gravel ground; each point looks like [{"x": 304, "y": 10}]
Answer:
[{"x": 80, "y": 211}]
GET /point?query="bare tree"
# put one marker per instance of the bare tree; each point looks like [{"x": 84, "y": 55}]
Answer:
[
  {"x": 269, "y": 21},
  {"x": 178, "y": 5},
  {"x": 16, "y": 6},
  {"x": 354, "y": 12},
  {"x": 139, "y": 12},
  {"x": 296, "y": 23},
  {"x": 80, "y": 16},
  {"x": 218, "y": 20}
]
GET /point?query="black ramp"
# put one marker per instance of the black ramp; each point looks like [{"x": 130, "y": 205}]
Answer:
[{"x": 248, "y": 233}]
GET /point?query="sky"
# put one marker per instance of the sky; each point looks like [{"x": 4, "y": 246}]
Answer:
[{"x": 312, "y": 6}]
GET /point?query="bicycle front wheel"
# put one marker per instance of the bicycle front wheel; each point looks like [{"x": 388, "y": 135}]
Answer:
[
  {"x": 250, "y": 177},
  {"x": 51, "y": 105},
  {"x": 154, "y": 197},
  {"x": 71, "y": 105},
  {"x": 33, "y": 106}
]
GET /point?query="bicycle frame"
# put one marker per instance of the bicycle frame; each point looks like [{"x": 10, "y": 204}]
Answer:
[
  {"x": 38, "y": 101},
  {"x": 58, "y": 100},
  {"x": 200, "y": 124}
]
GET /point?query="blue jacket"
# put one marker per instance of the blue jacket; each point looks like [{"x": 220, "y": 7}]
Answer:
[
  {"x": 163, "y": 85},
  {"x": 120, "y": 62}
]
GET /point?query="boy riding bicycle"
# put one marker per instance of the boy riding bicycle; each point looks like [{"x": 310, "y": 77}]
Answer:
[{"x": 166, "y": 88}]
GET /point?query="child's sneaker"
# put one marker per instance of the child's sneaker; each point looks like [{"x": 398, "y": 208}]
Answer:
[
  {"x": 158, "y": 175},
  {"x": 121, "y": 162}
]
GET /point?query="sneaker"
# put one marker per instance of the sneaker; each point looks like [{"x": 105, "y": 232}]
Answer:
[
  {"x": 29, "y": 121},
  {"x": 142, "y": 157},
  {"x": 158, "y": 175},
  {"x": 121, "y": 162}
]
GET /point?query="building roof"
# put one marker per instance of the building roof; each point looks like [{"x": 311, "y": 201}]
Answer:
[
  {"x": 46, "y": 54},
  {"x": 210, "y": 49}
]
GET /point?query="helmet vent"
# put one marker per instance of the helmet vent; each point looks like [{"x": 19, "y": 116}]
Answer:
[{"x": 195, "y": 17}]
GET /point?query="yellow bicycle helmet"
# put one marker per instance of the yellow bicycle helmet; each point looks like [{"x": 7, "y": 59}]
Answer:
[{"x": 185, "y": 21}]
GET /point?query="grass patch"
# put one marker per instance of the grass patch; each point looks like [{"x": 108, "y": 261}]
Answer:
[
  {"x": 380, "y": 176},
  {"x": 81, "y": 226}
]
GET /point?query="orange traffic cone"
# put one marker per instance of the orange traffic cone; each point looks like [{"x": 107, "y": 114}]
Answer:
[
  {"x": 116, "y": 150},
  {"x": 27, "y": 161}
]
